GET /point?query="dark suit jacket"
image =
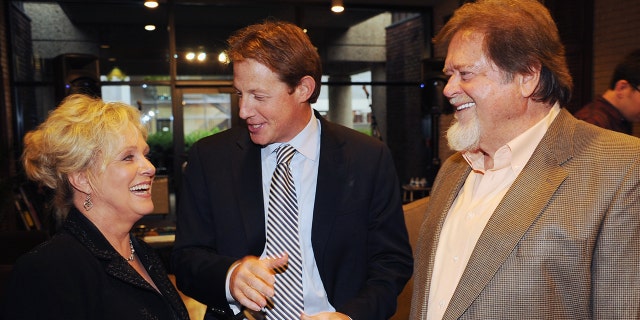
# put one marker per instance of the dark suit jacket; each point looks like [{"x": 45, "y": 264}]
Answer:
[
  {"x": 358, "y": 235},
  {"x": 564, "y": 243},
  {"x": 78, "y": 275}
]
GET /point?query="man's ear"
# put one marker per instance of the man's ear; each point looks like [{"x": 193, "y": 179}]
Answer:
[
  {"x": 305, "y": 88},
  {"x": 529, "y": 82},
  {"x": 621, "y": 85},
  {"x": 80, "y": 182}
]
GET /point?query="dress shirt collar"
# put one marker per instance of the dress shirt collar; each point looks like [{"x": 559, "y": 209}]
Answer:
[
  {"x": 515, "y": 153},
  {"x": 305, "y": 142}
]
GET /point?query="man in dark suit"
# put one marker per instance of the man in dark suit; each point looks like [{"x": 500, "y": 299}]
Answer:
[
  {"x": 355, "y": 252},
  {"x": 538, "y": 215}
]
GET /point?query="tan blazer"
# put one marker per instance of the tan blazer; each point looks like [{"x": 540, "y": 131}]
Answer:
[{"x": 564, "y": 243}]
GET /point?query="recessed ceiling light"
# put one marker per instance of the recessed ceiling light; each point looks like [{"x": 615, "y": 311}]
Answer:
[
  {"x": 337, "y": 6},
  {"x": 149, "y": 27},
  {"x": 151, "y": 4}
]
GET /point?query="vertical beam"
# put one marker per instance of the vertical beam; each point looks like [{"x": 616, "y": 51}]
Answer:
[
  {"x": 176, "y": 101},
  {"x": 340, "y": 109}
]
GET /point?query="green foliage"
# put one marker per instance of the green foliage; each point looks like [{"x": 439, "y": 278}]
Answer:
[
  {"x": 194, "y": 136},
  {"x": 366, "y": 130},
  {"x": 160, "y": 141}
]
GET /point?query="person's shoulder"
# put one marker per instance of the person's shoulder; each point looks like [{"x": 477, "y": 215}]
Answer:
[
  {"x": 606, "y": 139},
  {"x": 228, "y": 135},
  {"x": 61, "y": 250},
  {"x": 61, "y": 264},
  {"x": 588, "y": 128},
  {"x": 587, "y": 111},
  {"x": 454, "y": 162},
  {"x": 454, "y": 158},
  {"x": 222, "y": 140},
  {"x": 598, "y": 114}
]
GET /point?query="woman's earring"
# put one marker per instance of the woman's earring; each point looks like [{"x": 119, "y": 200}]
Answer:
[{"x": 87, "y": 202}]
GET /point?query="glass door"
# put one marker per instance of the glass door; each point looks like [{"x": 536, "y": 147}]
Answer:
[{"x": 202, "y": 111}]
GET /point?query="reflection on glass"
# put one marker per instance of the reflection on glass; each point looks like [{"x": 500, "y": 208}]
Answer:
[{"x": 204, "y": 115}]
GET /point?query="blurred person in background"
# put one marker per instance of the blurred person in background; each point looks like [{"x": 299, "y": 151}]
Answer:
[{"x": 619, "y": 106}]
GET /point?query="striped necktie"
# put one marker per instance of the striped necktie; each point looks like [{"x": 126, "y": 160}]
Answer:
[{"x": 283, "y": 236}]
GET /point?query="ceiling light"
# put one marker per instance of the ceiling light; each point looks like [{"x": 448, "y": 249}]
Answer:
[
  {"x": 337, "y": 6},
  {"x": 151, "y": 4},
  {"x": 149, "y": 27},
  {"x": 223, "y": 58}
]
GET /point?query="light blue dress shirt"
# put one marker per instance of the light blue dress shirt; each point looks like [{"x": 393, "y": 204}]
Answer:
[{"x": 304, "y": 168}]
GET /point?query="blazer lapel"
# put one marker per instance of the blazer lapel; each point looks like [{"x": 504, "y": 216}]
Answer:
[
  {"x": 247, "y": 169},
  {"x": 537, "y": 182},
  {"x": 439, "y": 204},
  {"x": 330, "y": 189},
  {"x": 88, "y": 234}
]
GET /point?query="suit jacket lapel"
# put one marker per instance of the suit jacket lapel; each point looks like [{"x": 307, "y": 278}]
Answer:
[
  {"x": 330, "y": 189},
  {"x": 537, "y": 182},
  {"x": 88, "y": 235},
  {"x": 427, "y": 244},
  {"x": 247, "y": 170}
]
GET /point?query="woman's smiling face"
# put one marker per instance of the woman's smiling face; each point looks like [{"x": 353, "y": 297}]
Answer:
[{"x": 125, "y": 184}]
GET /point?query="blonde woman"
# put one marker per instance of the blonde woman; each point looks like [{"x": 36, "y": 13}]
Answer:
[{"x": 93, "y": 155}]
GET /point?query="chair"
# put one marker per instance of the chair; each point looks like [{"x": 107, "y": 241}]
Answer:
[{"x": 413, "y": 215}]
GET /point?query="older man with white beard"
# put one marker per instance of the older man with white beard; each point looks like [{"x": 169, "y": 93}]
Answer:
[{"x": 537, "y": 216}]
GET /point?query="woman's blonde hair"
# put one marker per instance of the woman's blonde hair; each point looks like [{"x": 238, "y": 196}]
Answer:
[{"x": 80, "y": 135}]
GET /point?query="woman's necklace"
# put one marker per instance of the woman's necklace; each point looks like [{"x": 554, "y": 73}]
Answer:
[{"x": 133, "y": 251}]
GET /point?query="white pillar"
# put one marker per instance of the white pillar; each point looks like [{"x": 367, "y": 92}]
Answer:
[{"x": 340, "y": 110}]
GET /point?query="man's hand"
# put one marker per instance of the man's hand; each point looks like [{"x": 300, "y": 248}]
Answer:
[
  {"x": 325, "y": 316},
  {"x": 251, "y": 282}
]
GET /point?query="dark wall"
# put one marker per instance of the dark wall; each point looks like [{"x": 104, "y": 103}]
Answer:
[
  {"x": 575, "y": 24},
  {"x": 405, "y": 47},
  {"x": 7, "y": 166}
]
